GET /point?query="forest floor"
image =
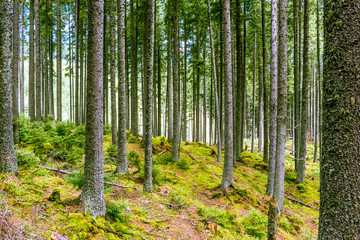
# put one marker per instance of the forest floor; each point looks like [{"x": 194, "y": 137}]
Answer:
[{"x": 182, "y": 206}]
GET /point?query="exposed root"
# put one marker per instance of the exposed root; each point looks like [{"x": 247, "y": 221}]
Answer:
[{"x": 223, "y": 192}]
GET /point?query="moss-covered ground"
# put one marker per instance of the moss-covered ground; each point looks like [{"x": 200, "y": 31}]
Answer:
[{"x": 182, "y": 206}]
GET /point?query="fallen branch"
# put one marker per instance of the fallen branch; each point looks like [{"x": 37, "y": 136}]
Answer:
[
  {"x": 56, "y": 236},
  {"x": 300, "y": 202},
  {"x": 162, "y": 153},
  {"x": 68, "y": 172},
  {"x": 192, "y": 157}
]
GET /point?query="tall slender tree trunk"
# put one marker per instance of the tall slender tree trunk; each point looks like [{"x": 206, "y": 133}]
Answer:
[
  {"x": 340, "y": 168},
  {"x": 122, "y": 163},
  {"x": 70, "y": 68},
  {"x": 227, "y": 178},
  {"x": 38, "y": 61},
  {"x": 253, "y": 96},
  {"x": 169, "y": 80},
  {"x": 134, "y": 81},
  {"x": 112, "y": 74},
  {"x": 15, "y": 68},
  {"x": 296, "y": 85},
  {"x": 148, "y": 52},
  {"x": 243, "y": 86},
  {"x": 265, "y": 85},
  {"x": 300, "y": 174},
  {"x": 8, "y": 161},
  {"x": 318, "y": 80},
  {"x": 277, "y": 201},
  {"x": 59, "y": 65},
  {"x": 105, "y": 73},
  {"x": 273, "y": 98},
  {"x": 31, "y": 104},
  {"x": 204, "y": 99},
  {"x": 92, "y": 196},
  {"x": 213, "y": 65},
  {"x": 176, "y": 87},
  {"x": 77, "y": 32},
  {"x": 22, "y": 76},
  {"x": 159, "y": 90},
  {"x": 261, "y": 107},
  {"x": 184, "y": 108}
]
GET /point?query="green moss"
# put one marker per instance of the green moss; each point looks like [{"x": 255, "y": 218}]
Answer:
[
  {"x": 255, "y": 224},
  {"x": 286, "y": 225},
  {"x": 302, "y": 188},
  {"x": 183, "y": 164},
  {"x": 133, "y": 139},
  {"x": 290, "y": 177},
  {"x": 223, "y": 217}
]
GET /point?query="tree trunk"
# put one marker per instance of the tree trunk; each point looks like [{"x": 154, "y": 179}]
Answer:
[
  {"x": 15, "y": 68},
  {"x": 92, "y": 196},
  {"x": 31, "y": 104},
  {"x": 148, "y": 46},
  {"x": 277, "y": 201},
  {"x": 227, "y": 178},
  {"x": 318, "y": 76},
  {"x": 7, "y": 153},
  {"x": 134, "y": 81},
  {"x": 340, "y": 168},
  {"x": 253, "y": 96},
  {"x": 243, "y": 86},
  {"x": 213, "y": 65},
  {"x": 184, "y": 110},
  {"x": 38, "y": 61},
  {"x": 77, "y": 107},
  {"x": 112, "y": 74},
  {"x": 176, "y": 87},
  {"x": 169, "y": 80},
  {"x": 264, "y": 81},
  {"x": 122, "y": 163},
  {"x": 59, "y": 64},
  {"x": 105, "y": 73},
  {"x": 273, "y": 98},
  {"x": 300, "y": 173},
  {"x": 22, "y": 76},
  {"x": 159, "y": 91}
]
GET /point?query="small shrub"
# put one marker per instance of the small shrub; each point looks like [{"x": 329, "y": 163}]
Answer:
[
  {"x": 183, "y": 164},
  {"x": 112, "y": 151},
  {"x": 26, "y": 159},
  {"x": 73, "y": 155},
  {"x": 164, "y": 158},
  {"x": 255, "y": 223},
  {"x": 302, "y": 188},
  {"x": 76, "y": 179},
  {"x": 290, "y": 177},
  {"x": 64, "y": 128},
  {"x": 133, "y": 139},
  {"x": 116, "y": 212}
]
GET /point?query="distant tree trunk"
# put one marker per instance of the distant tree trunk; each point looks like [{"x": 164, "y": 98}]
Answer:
[
  {"x": 261, "y": 109},
  {"x": 46, "y": 79},
  {"x": 176, "y": 86},
  {"x": 134, "y": 82},
  {"x": 265, "y": 86},
  {"x": 184, "y": 111},
  {"x": 70, "y": 69},
  {"x": 105, "y": 73},
  {"x": 22, "y": 76},
  {"x": 277, "y": 201},
  {"x": 197, "y": 81},
  {"x": 169, "y": 80},
  {"x": 8, "y": 161},
  {"x": 296, "y": 85},
  {"x": 38, "y": 62},
  {"x": 31, "y": 104},
  {"x": 243, "y": 86},
  {"x": 204, "y": 99},
  {"x": 273, "y": 98},
  {"x": 122, "y": 163},
  {"x": 81, "y": 76},
  {"x": 213, "y": 66},
  {"x": 59, "y": 64},
  {"x": 148, "y": 90},
  {"x": 51, "y": 66},
  {"x": 237, "y": 136},
  {"x": 227, "y": 178},
  {"x": 127, "y": 71},
  {"x": 159, "y": 90},
  {"x": 300, "y": 174},
  {"x": 318, "y": 79},
  {"x": 77, "y": 32},
  {"x": 253, "y": 96},
  {"x": 15, "y": 68},
  {"x": 92, "y": 196},
  {"x": 112, "y": 74},
  {"x": 340, "y": 165}
]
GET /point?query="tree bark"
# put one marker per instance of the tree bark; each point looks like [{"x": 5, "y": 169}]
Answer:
[
  {"x": 134, "y": 81},
  {"x": 8, "y": 161},
  {"x": 31, "y": 104},
  {"x": 265, "y": 86},
  {"x": 112, "y": 74},
  {"x": 253, "y": 96},
  {"x": 169, "y": 80},
  {"x": 122, "y": 163},
  {"x": 176, "y": 87},
  {"x": 184, "y": 108},
  {"x": 340, "y": 168},
  {"x": 148, "y": 46},
  {"x": 38, "y": 61},
  {"x": 77, "y": 105},
  {"x": 22, "y": 76},
  {"x": 59, "y": 65},
  {"x": 15, "y": 68},
  {"x": 277, "y": 201},
  {"x": 227, "y": 178},
  {"x": 159, "y": 90},
  {"x": 92, "y": 196},
  {"x": 300, "y": 173}
]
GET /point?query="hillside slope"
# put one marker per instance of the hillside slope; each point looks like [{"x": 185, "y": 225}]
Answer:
[{"x": 183, "y": 205}]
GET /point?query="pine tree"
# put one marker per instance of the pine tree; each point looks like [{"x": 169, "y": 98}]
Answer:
[{"x": 58, "y": 64}]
